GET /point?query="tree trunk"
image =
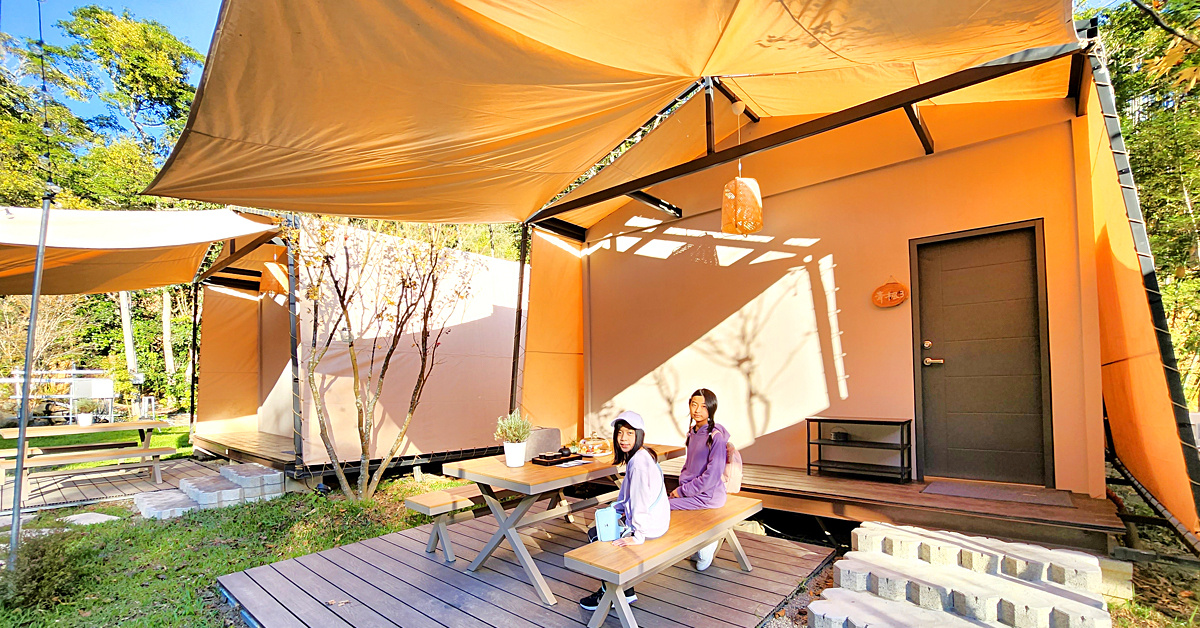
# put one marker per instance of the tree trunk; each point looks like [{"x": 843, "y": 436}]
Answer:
[
  {"x": 127, "y": 331},
  {"x": 168, "y": 349}
]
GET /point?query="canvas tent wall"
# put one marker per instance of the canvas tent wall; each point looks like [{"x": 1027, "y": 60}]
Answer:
[
  {"x": 551, "y": 89},
  {"x": 245, "y": 375}
]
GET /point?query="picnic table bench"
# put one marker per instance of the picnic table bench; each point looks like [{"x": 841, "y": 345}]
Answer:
[
  {"x": 54, "y": 456},
  {"x": 623, "y": 567},
  {"x": 439, "y": 505}
]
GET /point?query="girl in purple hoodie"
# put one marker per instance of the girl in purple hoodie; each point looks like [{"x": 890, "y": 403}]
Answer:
[{"x": 700, "y": 483}]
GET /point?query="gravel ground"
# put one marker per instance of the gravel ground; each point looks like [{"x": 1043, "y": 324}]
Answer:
[{"x": 795, "y": 610}]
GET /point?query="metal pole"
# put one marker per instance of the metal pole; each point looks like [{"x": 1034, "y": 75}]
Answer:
[
  {"x": 193, "y": 355},
  {"x": 23, "y": 419},
  {"x": 512, "y": 394},
  {"x": 294, "y": 330}
]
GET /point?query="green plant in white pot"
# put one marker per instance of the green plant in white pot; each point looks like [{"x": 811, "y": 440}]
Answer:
[
  {"x": 513, "y": 430},
  {"x": 85, "y": 411}
]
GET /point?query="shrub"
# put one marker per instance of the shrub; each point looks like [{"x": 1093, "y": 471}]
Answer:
[
  {"x": 49, "y": 569},
  {"x": 513, "y": 428}
]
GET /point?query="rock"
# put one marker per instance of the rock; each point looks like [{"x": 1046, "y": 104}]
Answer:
[{"x": 88, "y": 518}]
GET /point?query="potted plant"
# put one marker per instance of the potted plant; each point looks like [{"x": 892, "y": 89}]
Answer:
[
  {"x": 513, "y": 430},
  {"x": 85, "y": 409}
]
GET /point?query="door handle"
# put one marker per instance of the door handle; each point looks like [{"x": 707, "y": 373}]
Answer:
[{"x": 931, "y": 361}]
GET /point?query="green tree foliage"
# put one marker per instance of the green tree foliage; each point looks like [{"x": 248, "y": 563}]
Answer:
[
  {"x": 1154, "y": 74},
  {"x": 137, "y": 67},
  {"x": 28, "y": 133}
]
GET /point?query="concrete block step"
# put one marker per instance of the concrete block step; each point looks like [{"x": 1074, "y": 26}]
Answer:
[
  {"x": 1001, "y": 598},
  {"x": 167, "y": 504},
  {"x": 1069, "y": 568},
  {"x": 211, "y": 491},
  {"x": 843, "y": 608},
  {"x": 251, "y": 475}
]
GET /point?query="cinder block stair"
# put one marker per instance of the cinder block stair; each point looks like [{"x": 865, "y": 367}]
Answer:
[
  {"x": 235, "y": 484},
  {"x": 167, "y": 504},
  {"x": 899, "y": 575},
  {"x": 257, "y": 482}
]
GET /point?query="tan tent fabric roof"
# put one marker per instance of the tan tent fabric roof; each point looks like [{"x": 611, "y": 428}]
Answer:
[
  {"x": 107, "y": 251},
  {"x": 484, "y": 111}
]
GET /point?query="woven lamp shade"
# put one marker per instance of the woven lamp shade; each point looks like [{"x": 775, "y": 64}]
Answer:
[{"x": 741, "y": 207}]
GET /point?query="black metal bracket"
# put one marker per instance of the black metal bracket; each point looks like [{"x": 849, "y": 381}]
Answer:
[
  {"x": 565, "y": 229},
  {"x": 229, "y": 282},
  {"x": 918, "y": 124},
  {"x": 725, "y": 91},
  {"x": 656, "y": 203}
]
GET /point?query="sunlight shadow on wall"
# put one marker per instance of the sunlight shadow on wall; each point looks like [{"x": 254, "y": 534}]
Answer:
[{"x": 765, "y": 358}]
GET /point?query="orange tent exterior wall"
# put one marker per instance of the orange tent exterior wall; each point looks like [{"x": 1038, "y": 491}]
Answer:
[
  {"x": 1136, "y": 396},
  {"x": 783, "y": 328}
]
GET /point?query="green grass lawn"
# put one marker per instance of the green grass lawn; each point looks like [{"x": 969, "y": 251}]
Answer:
[
  {"x": 176, "y": 437},
  {"x": 163, "y": 573}
]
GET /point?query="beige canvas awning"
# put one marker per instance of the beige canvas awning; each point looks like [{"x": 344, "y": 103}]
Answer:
[
  {"x": 483, "y": 111},
  {"x": 106, "y": 251}
]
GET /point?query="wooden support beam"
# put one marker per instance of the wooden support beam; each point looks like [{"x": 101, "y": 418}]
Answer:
[
  {"x": 918, "y": 124},
  {"x": 656, "y": 203},
  {"x": 237, "y": 253},
  {"x": 937, "y": 87},
  {"x": 724, "y": 89}
]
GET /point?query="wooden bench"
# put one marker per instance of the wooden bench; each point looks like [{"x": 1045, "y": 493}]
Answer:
[
  {"x": 439, "y": 505},
  {"x": 623, "y": 567}
]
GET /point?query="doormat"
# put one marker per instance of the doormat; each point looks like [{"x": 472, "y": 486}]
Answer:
[{"x": 996, "y": 492}]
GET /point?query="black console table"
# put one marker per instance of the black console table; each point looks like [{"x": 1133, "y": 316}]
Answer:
[{"x": 901, "y": 473}]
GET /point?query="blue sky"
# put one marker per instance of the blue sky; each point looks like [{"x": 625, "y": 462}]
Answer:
[{"x": 190, "y": 20}]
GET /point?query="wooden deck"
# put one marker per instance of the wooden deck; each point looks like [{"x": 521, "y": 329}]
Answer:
[
  {"x": 392, "y": 581},
  {"x": 266, "y": 449},
  {"x": 58, "y": 491},
  {"x": 1090, "y": 524}
]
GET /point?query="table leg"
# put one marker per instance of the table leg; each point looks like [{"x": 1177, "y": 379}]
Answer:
[
  {"x": 563, "y": 503},
  {"x": 738, "y": 552},
  {"x": 531, "y": 570},
  {"x": 504, "y": 521},
  {"x": 507, "y": 529}
]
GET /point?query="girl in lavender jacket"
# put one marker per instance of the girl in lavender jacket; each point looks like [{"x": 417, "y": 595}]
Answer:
[
  {"x": 700, "y": 483},
  {"x": 642, "y": 501}
]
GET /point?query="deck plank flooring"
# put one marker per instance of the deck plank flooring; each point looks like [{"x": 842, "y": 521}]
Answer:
[
  {"x": 391, "y": 580},
  {"x": 274, "y": 447},
  {"x": 52, "y": 491},
  {"x": 1085, "y": 513}
]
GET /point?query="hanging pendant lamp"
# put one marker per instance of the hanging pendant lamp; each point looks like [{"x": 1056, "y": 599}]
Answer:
[{"x": 741, "y": 202}]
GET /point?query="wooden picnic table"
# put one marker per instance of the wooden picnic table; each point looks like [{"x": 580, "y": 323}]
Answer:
[
  {"x": 55, "y": 456},
  {"x": 536, "y": 483},
  {"x": 143, "y": 427}
]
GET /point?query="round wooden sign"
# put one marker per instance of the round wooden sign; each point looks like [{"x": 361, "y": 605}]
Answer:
[{"x": 890, "y": 294}]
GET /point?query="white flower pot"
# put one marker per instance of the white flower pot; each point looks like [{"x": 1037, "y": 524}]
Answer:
[
  {"x": 84, "y": 418},
  {"x": 514, "y": 454}
]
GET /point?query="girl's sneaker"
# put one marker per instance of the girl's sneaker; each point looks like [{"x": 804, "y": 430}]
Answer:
[
  {"x": 705, "y": 556},
  {"x": 592, "y": 601}
]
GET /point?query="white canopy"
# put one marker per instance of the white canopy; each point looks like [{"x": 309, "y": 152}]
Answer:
[
  {"x": 107, "y": 251},
  {"x": 484, "y": 110}
]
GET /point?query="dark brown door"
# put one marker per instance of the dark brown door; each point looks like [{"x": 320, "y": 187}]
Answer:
[{"x": 979, "y": 313}]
